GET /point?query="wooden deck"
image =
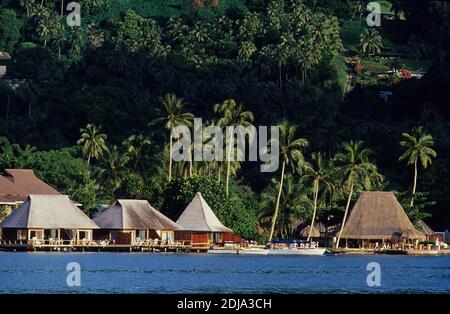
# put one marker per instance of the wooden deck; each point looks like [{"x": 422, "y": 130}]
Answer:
[
  {"x": 95, "y": 246},
  {"x": 356, "y": 251}
]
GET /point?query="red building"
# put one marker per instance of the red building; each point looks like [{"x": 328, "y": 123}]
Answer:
[{"x": 201, "y": 226}]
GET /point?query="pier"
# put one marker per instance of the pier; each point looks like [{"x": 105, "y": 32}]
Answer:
[{"x": 102, "y": 246}]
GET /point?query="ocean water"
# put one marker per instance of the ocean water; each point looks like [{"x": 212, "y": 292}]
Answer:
[{"x": 43, "y": 272}]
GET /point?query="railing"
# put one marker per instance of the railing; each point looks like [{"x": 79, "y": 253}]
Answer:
[
  {"x": 151, "y": 243},
  {"x": 13, "y": 242}
]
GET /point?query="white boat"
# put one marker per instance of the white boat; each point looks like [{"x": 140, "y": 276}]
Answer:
[
  {"x": 297, "y": 251},
  {"x": 253, "y": 251},
  {"x": 223, "y": 251}
]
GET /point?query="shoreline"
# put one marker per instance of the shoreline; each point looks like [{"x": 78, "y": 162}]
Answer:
[{"x": 132, "y": 249}]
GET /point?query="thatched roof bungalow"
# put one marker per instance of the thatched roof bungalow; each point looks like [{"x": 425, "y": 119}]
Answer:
[
  {"x": 379, "y": 216},
  {"x": 425, "y": 228},
  {"x": 201, "y": 226},
  {"x": 47, "y": 217},
  {"x": 132, "y": 221},
  {"x": 303, "y": 231}
]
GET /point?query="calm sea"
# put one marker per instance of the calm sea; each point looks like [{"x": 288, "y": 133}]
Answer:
[{"x": 202, "y": 273}]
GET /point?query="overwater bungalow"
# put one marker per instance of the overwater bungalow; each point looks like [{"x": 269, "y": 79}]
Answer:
[
  {"x": 47, "y": 219},
  {"x": 201, "y": 227},
  {"x": 133, "y": 222},
  {"x": 378, "y": 217}
]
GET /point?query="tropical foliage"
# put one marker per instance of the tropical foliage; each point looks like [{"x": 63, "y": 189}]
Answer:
[{"x": 138, "y": 70}]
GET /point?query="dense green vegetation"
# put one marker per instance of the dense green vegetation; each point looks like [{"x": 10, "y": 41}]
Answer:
[{"x": 90, "y": 108}]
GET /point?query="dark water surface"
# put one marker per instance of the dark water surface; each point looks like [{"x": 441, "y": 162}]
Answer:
[{"x": 201, "y": 273}]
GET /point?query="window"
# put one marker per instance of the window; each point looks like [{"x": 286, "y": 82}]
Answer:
[
  {"x": 70, "y": 234},
  {"x": 218, "y": 237},
  {"x": 36, "y": 234},
  {"x": 84, "y": 235},
  {"x": 21, "y": 234},
  {"x": 167, "y": 236},
  {"x": 141, "y": 235},
  {"x": 50, "y": 233}
]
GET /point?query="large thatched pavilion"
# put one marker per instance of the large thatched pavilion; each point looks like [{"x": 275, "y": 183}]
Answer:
[
  {"x": 201, "y": 227},
  {"x": 132, "y": 221},
  {"x": 47, "y": 218},
  {"x": 379, "y": 217}
]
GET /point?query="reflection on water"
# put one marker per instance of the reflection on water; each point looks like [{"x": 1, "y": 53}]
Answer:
[{"x": 202, "y": 273}]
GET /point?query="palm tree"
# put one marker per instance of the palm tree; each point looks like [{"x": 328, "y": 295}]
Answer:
[
  {"x": 294, "y": 203},
  {"x": 95, "y": 36},
  {"x": 316, "y": 171},
  {"x": 74, "y": 40},
  {"x": 29, "y": 90},
  {"x": 356, "y": 170},
  {"x": 135, "y": 146},
  {"x": 113, "y": 170},
  {"x": 172, "y": 115},
  {"x": 27, "y": 4},
  {"x": 371, "y": 42},
  {"x": 291, "y": 155},
  {"x": 417, "y": 147},
  {"x": 48, "y": 24},
  {"x": 59, "y": 40},
  {"x": 93, "y": 142},
  {"x": 232, "y": 115}
]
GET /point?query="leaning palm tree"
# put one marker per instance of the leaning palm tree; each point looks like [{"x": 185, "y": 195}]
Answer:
[
  {"x": 316, "y": 172},
  {"x": 356, "y": 170},
  {"x": 171, "y": 116},
  {"x": 371, "y": 42},
  {"x": 417, "y": 147},
  {"x": 232, "y": 115},
  {"x": 93, "y": 142},
  {"x": 294, "y": 202},
  {"x": 291, "y": 155}
]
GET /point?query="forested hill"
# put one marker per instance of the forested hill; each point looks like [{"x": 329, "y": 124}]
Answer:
[{"x": 343, "y": 85}]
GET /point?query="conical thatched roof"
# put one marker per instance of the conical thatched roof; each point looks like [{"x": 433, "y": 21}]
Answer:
[
  {"x": 133, "y": 214},
  {"x": 378, "y": 215},
  {"x": 425, "y": 228},
  {"x": 198, "y": 216},
  {"x": 304, "y": 232},
  {"x": 48, "y": 212}
]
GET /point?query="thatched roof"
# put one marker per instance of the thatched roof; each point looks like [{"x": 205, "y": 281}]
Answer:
[
  {"x": 320, "y": 229},
  {"x": 198, "y": 216},
  {"x": 304, "y": 232},
  {"x": 424, "y": 228},
  {"x": 48, "y": 212},
  {"x": 133, "y": 214},
  {"x": 378, "y": 215}
]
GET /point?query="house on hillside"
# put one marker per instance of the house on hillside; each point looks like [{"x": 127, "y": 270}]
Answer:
[{"x": 16, "y": 185}]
